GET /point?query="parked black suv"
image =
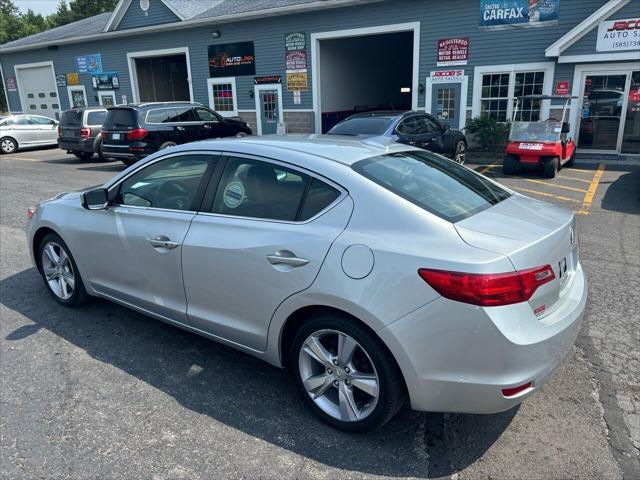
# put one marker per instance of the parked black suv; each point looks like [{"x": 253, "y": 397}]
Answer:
[
  {"x": 79, "y": 131},
  {"x": 131, "y": 132}
]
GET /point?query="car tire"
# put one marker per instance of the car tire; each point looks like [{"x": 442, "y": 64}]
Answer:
[
  {"x": 60, "y": 272},
  {"x": 129, "y": 161},
  {"x": 551, "y": 167},
  {"x": 241, "y": 135},
  {"x": 571, "y": 160},
  {"x": 101, "y": 156},
  {"x": 509, "y": 165},
  {"x": 371, "y": 365},
  {"x": 8, "y": 145},
  {"x": 83, "y": 155},
  {"x": 460, "y": 153},
  {"x": 167, "y": 145}
]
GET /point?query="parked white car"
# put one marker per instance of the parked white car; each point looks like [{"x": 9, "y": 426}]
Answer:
[{"x": 24, "y": 131}]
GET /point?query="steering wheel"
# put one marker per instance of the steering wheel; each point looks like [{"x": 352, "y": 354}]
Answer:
[{"x": 173, "y": 195}]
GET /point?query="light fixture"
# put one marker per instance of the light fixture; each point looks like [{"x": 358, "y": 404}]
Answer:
[
  {"x": 215, "y": 34},
  {"x": 421, "y": 88},
  {"x": 251, "y": 94},
  {"x": 405, "y": 89}
]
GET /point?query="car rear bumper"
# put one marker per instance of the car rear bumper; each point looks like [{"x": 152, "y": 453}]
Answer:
[
  {"x": 123, "y": 152},
  {"x": 457, "y": 357},
  {"x": 79, "y": 145}
]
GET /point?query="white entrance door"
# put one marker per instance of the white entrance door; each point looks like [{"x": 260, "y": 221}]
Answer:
[
  {"x": 107, "y": 98},
  {"x": 38, "y": 90}
]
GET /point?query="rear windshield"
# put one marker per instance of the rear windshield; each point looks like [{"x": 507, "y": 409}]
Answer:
[
  {"x": 361, "y": 126},
  {"x": 96, "y": 118},
  {"x": 120, "y": 118},
  {"x": 434, "y": 183},
  {"x": 72, "y": 118}
]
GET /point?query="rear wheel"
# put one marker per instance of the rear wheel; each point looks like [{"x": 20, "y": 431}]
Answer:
[
  {"x": 60, "y": 272},
  {"x": 129, "y": 161},
  {"x": 460, "y": 153},
  {"x": 83, "y": 155},
  {"x": 8, "y": 145},
  {"x": 345, "y": 373},
  {"x": 551, "y": 167},
  {"x": 509, "y": 165}
]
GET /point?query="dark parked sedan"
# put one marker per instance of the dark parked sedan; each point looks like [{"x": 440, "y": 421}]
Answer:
[
  {"x": 418, "y": 129},
  {"x": 131, "y": 132}
]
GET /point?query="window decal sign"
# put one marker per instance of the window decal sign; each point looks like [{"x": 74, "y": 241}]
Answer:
[
  {"x": 232, "y": 59},
  {"x": 562, "y": 87},
  {"x": 105, "y": 81},
  {"x": 89, "y": 63},
  {"x": 501, "y": 14},
  {"x": 618, "y": 35},
  {"x": 233, "y": 195},
  {"x": 453, "y": 51}
]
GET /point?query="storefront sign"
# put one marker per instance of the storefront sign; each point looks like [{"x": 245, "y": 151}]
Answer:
[
  {"x": 267, "y": 79},
  {"x": 618, "y": 35},
  {"x": 89, "y": 63},
  {"x": 295, "y": 41},
  {"x": 73, "y": 78},
  {"x": 61, "y": 80},
  {"x": 297, "y": 97},
  {"x": 562, "y": 87},
  {"x": 297, "y": 81},
  {"x": 232, "y": 59},
  {"x": 296, "y": 60},
  {"x": 10, "y": 82},
  {"x": 446, "y": 76},
  {"x": 500, "y": 14},
  {"x": 105, "y": 81},
  {"x": 453, "y": 51}
]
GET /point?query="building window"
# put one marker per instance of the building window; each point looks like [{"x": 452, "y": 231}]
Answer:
[
  {"x": 495, "y": 96},
  {"x": 500, "y": 89},
  {"x": 528, "y": 83},
  {"x": 222, "y": 96}
]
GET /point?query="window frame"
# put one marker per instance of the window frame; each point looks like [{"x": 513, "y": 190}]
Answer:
[
  {"x": 221, "y": 81},
  {"x": 215, "y": 184}
]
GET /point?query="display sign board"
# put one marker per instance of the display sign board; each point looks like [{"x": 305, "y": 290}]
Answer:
[
  {"x": 296, "y": 60},
  {"x": 61, "y": 80},
  {"x": 297, "y": 97},
  {"x": 453, "y": 51},
  {"x": 297, "y": 81},
  {"x": 295, "y": 41},
  {"x": 500, "y": 14},
  {"x": 232, "y": 59},
  {"x": 295, "y": 45},
  {"x": 89, "y": 63},
  {"x": 73, "y": 78},
  {"x": 267, "y": 79},
  {"x": 446, "y": 76},
  {"x": 562, "y": 87},
  {"x": 105, "y": 81},
  {"x": 10, "y": 82},
  {"x": 618, "y": 35}
]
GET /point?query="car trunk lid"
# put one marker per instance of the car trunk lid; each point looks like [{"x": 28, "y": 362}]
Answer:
[{"x": 117, "y": 124}]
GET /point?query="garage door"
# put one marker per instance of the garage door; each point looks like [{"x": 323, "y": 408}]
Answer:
[{"x": 39, "y": 92}]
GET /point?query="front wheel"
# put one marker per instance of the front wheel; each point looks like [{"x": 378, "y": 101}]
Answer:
[
  {"x": 551, "y": 167},
  {"x": 345, "y": 373},
  {"x": 60, "y": 272},
  {"x": 8, "y": 145},
  {"x": 460, "y": 153},
  {"x": 571, "y": 160}
]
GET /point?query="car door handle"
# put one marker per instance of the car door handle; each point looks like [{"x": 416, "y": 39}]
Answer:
[
  {"x": 179, "y": 128},
  {"x": 285, "y": 257},
  {"x": 207, "y": 126},
  {"x": 162, "y": 241}
]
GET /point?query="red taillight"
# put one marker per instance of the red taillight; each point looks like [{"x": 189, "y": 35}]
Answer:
[
  {"x": 488, "y": 289},
  {"x": 137, "y": 134},
  {"x": 85, "y": 132},
  {"x": 512, "y": 392},
  {"x": 31, "y": 211}
]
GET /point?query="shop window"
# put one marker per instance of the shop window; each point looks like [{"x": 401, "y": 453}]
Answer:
[
  {"x": 222, "y": 96},
  {"x": 499, "y": 91},
  {"x": 495, "y": 96}
]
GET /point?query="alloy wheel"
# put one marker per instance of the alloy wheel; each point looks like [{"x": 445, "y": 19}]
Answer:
[
  {"x": 338, "y": 375},
  {"x": 8, "y": 145},
  {"x": 461, "y": 153},
  {"x": 58, "y": 271}
]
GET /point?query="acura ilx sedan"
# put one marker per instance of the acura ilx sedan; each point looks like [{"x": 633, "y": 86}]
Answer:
[{"x": 376, "y": 273}]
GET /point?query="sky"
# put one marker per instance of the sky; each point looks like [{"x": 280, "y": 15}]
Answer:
[{"x": 45, "y": 7}]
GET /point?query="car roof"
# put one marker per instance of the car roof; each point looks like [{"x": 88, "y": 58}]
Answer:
[
  {"x": 157, "y": 104},
  {"x": 379, "y": 114}
]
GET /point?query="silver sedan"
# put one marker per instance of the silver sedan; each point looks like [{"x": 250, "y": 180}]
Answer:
[
  {"x": 376, "y": 273},
  {"x": 23, "y": 131}
]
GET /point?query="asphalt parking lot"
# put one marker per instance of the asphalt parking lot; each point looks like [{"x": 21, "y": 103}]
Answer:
[{"x": 102, "y": 392}]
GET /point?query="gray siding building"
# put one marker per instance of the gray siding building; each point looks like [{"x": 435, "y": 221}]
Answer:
[{"x": 302, "y": 65}]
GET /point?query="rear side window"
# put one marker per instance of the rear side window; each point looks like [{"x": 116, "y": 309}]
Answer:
[
  {"x": 434, "y": 183},
  {"x": 361, "y": 126},
  {"x": 96, "y": 118},
  {"x": 120, "y": 118},
  {"x": 158, "y": 116},
  {"x": 182, "y": 114},
  {"x": 71, "y": 118},
  {"x": 319, "y": 196}
]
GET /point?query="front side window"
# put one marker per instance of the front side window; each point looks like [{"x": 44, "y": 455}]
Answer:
[
  {"x": 24, "y": 121},
  {"x": 437, "y": 185},
  {"x": 181, "y": 114},
  {"x": 42, "y": 120},
  {"x": 172, "y": 183},
  {"x": 222, "y": 96},
  {"x": 256, "y": 189},
  {"x": 206, "y": 115}
]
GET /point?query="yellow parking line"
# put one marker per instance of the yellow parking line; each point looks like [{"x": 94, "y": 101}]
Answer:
[
  {"x": 573, "y": 179},
  {"x": 545, "y": 194},
  {"x": 487, "y": 168},
  {"x": 555, "y": 185},
  {"x": 579, "y": 170},
  {"x": 588, "y": 198}
]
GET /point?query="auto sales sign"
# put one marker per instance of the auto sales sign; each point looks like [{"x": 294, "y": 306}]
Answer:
[
  {"x": 619, "y": 35},
  {"x": 501, "y": 14}
]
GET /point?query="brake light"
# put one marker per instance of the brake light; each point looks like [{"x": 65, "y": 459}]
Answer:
[
  {"x": 488, "y": 289},
  {"x": 512, "y": 392},
  {"x": 85, "y": 132},
  {"x": 137, "y": 134},
  {"x": 31, "y": 211}
]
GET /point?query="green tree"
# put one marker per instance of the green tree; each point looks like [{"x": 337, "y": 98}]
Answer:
[
  {"x": 10, "y": 23},
  {"x": 32, "y": 23},
  {"x": 79, "y": 9}
]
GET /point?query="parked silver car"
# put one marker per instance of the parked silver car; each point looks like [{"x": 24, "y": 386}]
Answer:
[
  {"x": 375, "y": 272},
  {"x": 23, "y": 131}
]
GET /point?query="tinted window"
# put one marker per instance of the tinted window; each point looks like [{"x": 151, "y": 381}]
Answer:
[
  {"x": 120, "y": 118},
  {"x": 417, "y": 125},
  {"x": 158, "y": 116},
  {"x": 250, "y": 188},
  {"x": 172, "y": 183},
  {"x": 71, "y": 118},
  {"x": 182, "y": 114},
  {"x": 319, "y": 196},
  {"x": 96, "y": 118},
  {"x": 361, "y": 126},
  {"x": 434, "y": 183},
  {"x": 205, "y": 115},
  {"x": 23, "y": 121}
]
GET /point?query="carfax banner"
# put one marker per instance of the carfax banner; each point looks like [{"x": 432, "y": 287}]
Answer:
[{"x": 501, "y": 14}]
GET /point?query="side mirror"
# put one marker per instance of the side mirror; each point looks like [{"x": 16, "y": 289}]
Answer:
[
  {"x": 565, "y": 127},
  {"x": 97, "y": 199}
]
